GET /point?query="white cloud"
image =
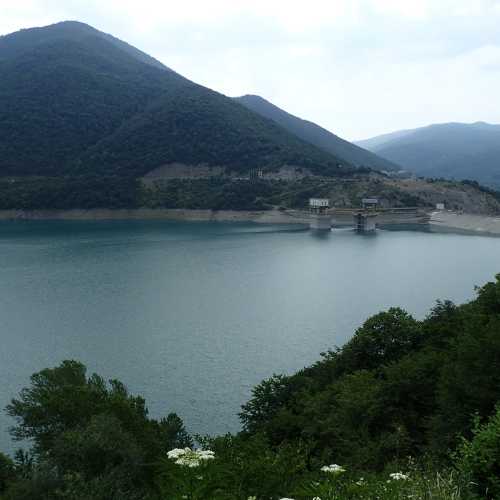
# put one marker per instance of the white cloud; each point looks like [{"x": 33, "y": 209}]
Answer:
[
  {"x": 358, "y": 67},
  {"x": 414, "y": 9}
]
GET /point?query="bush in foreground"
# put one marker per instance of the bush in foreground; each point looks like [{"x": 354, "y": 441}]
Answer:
[{"x": 479, "y": 457}]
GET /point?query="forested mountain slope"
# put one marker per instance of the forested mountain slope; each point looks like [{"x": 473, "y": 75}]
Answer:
[
  {"x": 76, "y": 101},
  {"x": 320, "y": 137}
]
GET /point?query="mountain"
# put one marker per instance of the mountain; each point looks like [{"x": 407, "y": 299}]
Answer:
[
  {"x": 76, "y": 101},
  {"x": 379, "y": 140},
  {"x": 449, "y": 150},
  {"x": 17, "y": 43},
  {"x": 316, "y": 135},
  {"x": 88, "y": 121}
]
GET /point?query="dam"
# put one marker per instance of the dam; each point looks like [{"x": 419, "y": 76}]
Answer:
[{"x": 364, "y": 219}]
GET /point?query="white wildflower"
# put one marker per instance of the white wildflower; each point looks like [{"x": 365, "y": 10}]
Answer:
[
  {"x": 333, "y": 469},
  {"x": 190, "y": 458},
  {"x": 398, "y": 476},
  {"x": 177, "y": 452}
]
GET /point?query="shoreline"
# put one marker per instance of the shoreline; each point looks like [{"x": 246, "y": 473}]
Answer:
[
  {"x": 173, "y": 214},
  {"x": 468, "y": 224},
  {"x": 439, "y": 221}
]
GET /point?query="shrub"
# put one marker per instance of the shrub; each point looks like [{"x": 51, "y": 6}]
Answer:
[{"x": 479, "y": 458}]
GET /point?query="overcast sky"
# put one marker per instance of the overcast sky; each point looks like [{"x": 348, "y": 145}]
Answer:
[{"x": 357, "y": 67}]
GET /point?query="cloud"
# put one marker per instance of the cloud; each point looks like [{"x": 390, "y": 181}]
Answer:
[{"x": 358, "y": 67}]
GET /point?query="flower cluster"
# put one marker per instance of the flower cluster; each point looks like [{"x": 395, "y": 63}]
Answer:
[
  {"x": 398, "y": 476},
  {"x": 190, "y": 458},
  {"x": 333, "y": 469}
]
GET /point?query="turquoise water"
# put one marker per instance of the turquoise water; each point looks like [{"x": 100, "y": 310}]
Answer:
[{"x": 192, "y": 315}]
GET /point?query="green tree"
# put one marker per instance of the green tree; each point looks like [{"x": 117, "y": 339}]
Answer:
[
  {"x": 84, "y": 429},
  {"x": 6, "y": 471},
  {"x": 267, "y": 398},
  {"x": 470, "y": 377},
  {"x": 383, "y": 339},
  {"x": 479, "y": 458}
]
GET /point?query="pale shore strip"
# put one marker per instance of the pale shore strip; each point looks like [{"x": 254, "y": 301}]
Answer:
[
  {"x": 452, "y": 222},
  {"x": 440, "y": 221},
  {"x": 265, "y": 216}
]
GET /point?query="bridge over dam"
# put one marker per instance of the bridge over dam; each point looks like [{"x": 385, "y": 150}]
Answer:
[
  {"x": 363, "y": 219},
  {"x": 368, "y": 220}
]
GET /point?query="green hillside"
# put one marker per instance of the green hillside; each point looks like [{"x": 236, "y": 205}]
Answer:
[
  {"x": 74, "y": 101},
  {"x": 316, "y": 135},
  {"x": 192, "y": 125}
]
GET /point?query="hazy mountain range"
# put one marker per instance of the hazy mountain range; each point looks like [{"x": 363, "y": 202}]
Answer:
[{"x": 450, "y": 150}]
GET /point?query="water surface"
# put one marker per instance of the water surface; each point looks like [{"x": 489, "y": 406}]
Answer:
[{"x": 192, "y": 315}]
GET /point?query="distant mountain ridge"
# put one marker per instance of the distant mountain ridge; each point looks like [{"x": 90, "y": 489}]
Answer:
[
  {"x": 450, "y": 150},
  {"x": 316, "y": 135},
  {"x": 76, "y": 101},
  {"x": 380, "y": 140}
]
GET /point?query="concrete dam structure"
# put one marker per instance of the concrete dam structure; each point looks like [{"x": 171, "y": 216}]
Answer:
[
  {"x": 321, "y": 220},
  {"x": 365, "y": 219}
]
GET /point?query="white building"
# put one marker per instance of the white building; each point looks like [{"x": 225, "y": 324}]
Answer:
[{"x": 319, "y": 202}]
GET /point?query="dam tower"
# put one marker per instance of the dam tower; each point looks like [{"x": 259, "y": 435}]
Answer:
[{"x": 321, "y": 220}]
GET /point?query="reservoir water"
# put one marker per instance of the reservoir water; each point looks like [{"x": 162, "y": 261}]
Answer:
[{"x": 193, "y": 315}]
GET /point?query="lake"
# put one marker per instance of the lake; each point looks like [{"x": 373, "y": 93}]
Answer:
[{"x": 193, "y": 315}]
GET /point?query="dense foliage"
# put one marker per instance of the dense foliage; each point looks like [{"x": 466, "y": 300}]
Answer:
[
  {"x": 399, "y": 387},
  {"x": 87, "y": 435},
  {"x": 194, "y": 125},
  {"x": 314, "y": 134},
  {"x": 222, "y": 193},
  {"x": 479, "y": 458},
  {"x": 74, "y": 101},
  {"x": 57, "y": 98},
  {"x": 38, "y": 193},
  {"x": 408, "y": 408}
]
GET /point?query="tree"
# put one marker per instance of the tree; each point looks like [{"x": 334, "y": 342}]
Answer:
[
  {"x": 267, "y": 399},
  {"x": 383, "y": 339},
  {"x": 6, "y": 471},
  {"x": 479, "y": 458},
  {"x": 92, "y": 432}
]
